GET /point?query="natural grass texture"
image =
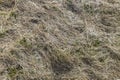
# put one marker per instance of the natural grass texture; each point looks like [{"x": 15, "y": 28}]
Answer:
[
  {"x": 61, "y": 62},
  {"x": 2, "y": 34},
  {"x": 60, "y": 40},
  {"x": 25, "y": 43},
  {"x": 70, "y": 5},
  {"x": 7, "y": 3},
  {"x": 12, "y": 72}
]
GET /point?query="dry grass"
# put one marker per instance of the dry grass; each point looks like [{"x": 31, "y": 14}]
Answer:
[{"x": 59, "y": 40}]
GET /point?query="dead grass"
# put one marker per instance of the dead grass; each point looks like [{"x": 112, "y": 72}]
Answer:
[{"x": 73, "y": 41}]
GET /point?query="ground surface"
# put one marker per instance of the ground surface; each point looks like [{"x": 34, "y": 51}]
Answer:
[{"x": 59, "y": 39}]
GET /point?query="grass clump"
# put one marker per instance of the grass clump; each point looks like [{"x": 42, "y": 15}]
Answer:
[
  {"x": 2, "y": 34},
  {"x": 13, "y": 14},
  {"x": 61, "y": 62},
  {"x": 89, "y": 8},
  {"x": 13, "y": 71},
  {"x": 25, "y": 43},
  {"x": 96, "y": 43},
  {"x": 70, "y": 5},
  {"x": 15, "y": 53}
]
